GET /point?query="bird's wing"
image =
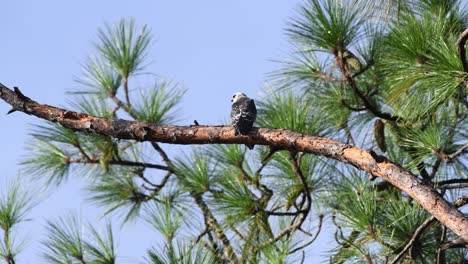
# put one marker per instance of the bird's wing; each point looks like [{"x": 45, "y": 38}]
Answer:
[
  {"x": 244, "y": 110},
  {"x": 236, "y": 113}
]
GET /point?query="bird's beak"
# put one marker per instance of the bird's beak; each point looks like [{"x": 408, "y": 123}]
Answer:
[{"x": 232, "y": 100}]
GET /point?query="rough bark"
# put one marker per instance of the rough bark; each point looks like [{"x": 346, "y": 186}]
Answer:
[{"x": 280, "y": 139}]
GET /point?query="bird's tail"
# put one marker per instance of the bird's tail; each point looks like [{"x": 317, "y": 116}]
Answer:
[{"x": 249, "y": 146}]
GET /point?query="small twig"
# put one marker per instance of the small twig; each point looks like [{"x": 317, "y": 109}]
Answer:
[
  {"x": 265, "y": 160},
  {"x": 448, "y": 157},
  {"x": 451, "y": 181},
  {"x": 212, "y": 222},
  {"x": 114, "y": 111},
  {"x": 454, "y": 183},
  {"x": 458, "y": 203},
  {"x": 120, "y": 104},
  {"x": 206, "y": 231},
  {"x": 296, "y": 224},
  {"x": 262, "y": 187},
  {"x": 82, "y": 152},
  {"x": 127, "y": 96},
  {"x": 453, "y": 186},
  {"x": 435, "y": 168},
  {"x": 440, "y": 256},
  {"x": 457, "y": 243},
  {"x": 285, "y": 213},
  {"x": 368, "y": 259},
  {"x": 162, "y": 153},
  {"x": 122, "y": 163},
  {"x": 164, "y": 180},
  {"x": 319, "y": 228},
  {"x": 237, "y": 232},
  {"x": 303, "y": 257},
  {"x": 414, "y": 238},
  {"x": 350, "y": 80}
]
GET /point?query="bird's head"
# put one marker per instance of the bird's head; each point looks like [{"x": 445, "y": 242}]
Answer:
[{"x": 237, "y": 96}]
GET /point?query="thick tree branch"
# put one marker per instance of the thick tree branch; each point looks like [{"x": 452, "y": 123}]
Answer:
[{"x": 280, "y": 139}]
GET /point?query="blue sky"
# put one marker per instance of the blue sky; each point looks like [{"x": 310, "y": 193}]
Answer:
[{"x": 212, "y": 48}]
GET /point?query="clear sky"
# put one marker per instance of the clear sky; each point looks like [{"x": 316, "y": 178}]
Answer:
[{"x": 213, "y": 48}]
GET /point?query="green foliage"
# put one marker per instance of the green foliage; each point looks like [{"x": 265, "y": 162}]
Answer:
[
  {"x": 180, "y": 254},
  {"x": 101, "y": 249},
  {"x": 236, "y": 202},
  {"x": 93, "y": 106},
  {"x": 15, "y": 203},
  {"x": 118, "y": 190},
  {"x": 303, "y": 69},
  {"x": 349, "y": 68},
  {"x": 420, "y": 58},
  {"x": 328, "y": 25},
  {"x": 228, "y": 155},
  {"x": 286, "y": 183},
  {"x": 357, "y": 204},
  {"x": 286, "y": 110},
  {"x": 101, "y": 77},
  {"x": 194, "y": 172},
  {"x": 67, "y": 243},
  {"x": 165, "y": 218},
  {"x": 47, "y": 160},
  {"x": 123, "y": 47},
  {"x": 421, "y": 143},
  {"x": 157, "y": 105},
  {"x": 55, "y": 133}
]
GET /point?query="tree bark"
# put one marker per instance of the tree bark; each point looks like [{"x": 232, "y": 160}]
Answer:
[{"x": 280, "y": 139}]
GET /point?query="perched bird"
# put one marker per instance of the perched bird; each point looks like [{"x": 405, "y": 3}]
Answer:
[{"x": 243, "y": 114}]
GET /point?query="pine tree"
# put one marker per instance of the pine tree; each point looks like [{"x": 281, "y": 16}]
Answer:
[{"x": 390, "y": 78}]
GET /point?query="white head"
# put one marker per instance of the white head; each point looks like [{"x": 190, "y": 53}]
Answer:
[{"x": 237, "y": 96}]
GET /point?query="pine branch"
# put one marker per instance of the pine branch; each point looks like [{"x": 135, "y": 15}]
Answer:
[
  {"x": 350, "y": 80},
  {"x": 417, "y": 233},
  {"x": 298, "y": 219},
  {"x": 281, "y": 139},
  {"x": 319, "y": 228},
  {"x": 212, "y": 223}
]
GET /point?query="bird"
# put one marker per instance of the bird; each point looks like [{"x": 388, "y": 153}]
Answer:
[{"x": 243, "y": 114}]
